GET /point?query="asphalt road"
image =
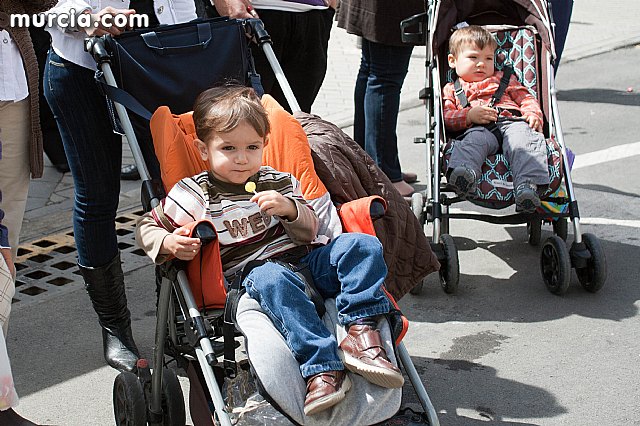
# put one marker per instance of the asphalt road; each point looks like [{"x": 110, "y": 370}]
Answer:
[{"x": 502, "y": 349}]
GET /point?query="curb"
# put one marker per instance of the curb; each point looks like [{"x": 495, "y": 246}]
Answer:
[{"x": 572, "y": 55}]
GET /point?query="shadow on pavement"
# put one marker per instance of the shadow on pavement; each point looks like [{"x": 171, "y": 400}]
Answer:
[
  {"x": 604, "y": 188},
  {"x": 523, "y": 297},
  {"x": 497, "y": 399},
  {"x": 607, "y": 96}
]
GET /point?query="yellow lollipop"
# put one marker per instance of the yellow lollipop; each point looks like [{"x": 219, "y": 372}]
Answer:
[{"x": 250, "y": 187}]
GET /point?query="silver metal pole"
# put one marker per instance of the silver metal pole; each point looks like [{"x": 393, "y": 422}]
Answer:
[
  {"x": 410, "y": 369},
  {"x": 282, "y": 80},
  {"x": 216, "y": 395},
  {"x": 436, "y": 151},
  {"x": 565, "y": 160},
  {"x": 105, "y": 67},
  {"x": 202, "y": 352}
]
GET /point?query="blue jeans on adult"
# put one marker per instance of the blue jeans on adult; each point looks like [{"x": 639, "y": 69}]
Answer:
[
  {"x": 377, "y": 101},
  {"x": 561, "y": 10},
  {"x": 350, "y": 269},
  {"x": 94, "y": 153}
]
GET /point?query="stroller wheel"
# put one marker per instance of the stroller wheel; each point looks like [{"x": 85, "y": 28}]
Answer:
[
  {"x": 417, "y": 206},
  {"x": 534, "y": 229},
  {"x": 593, "y": 276},
  {"x": 450, "y": 271},
  {"x": 555, "y": 265},
  {"x": 172, "y": 399},
  {"x": 129, "y": 406},
  {"x": 561, "y": 227}
]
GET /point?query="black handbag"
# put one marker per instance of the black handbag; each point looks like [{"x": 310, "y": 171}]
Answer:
[{"x": 171, "y": 65}]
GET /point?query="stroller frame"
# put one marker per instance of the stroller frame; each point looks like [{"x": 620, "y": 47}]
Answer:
[
  {"x": 175, "y": 288},
  {"x": 585, "y": 255}
]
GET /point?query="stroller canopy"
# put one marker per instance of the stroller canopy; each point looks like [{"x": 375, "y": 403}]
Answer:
[{"x": 448, "y": 13}]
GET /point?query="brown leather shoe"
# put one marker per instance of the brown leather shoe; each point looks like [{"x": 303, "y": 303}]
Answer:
[
  {"x": 403, "y": 188},
  {"x": 364, "y": 354},
  {"x": 325, "y": 390},
  {"x": 409, "y": 177}
]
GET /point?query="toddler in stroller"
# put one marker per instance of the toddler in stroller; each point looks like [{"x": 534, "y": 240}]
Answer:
[
  {"x": 494, "y": 112},
  {"x": 266, "y": 237}
]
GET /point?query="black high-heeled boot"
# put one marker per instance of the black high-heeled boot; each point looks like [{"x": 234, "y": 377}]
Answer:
[
  {"x": 10, "y": 418},
  {"x": 105, "y": 285}
]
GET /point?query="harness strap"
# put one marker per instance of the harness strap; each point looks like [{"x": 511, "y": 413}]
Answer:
[
  {"x": 462, "y": 98},
  {"x": 507, "y": 71}
]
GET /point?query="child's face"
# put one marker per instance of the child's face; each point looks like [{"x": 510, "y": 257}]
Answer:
[
  {"x": 234, "y": 156},
  {"x": 473, "y": 64}
]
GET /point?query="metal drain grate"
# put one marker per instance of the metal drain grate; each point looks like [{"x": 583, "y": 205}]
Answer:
[{"x": 49, "y": 265}]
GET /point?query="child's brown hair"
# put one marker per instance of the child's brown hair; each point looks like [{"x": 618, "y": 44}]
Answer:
[
  {"x": 221, "y": 109},
  {"x": 474, "y": 36}
]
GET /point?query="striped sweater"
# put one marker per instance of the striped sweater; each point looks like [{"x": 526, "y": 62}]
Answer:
[{"x": 245, "y": 233}]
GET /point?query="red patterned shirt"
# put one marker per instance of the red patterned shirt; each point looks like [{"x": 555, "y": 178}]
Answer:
[{"x": 479, "y": 93}]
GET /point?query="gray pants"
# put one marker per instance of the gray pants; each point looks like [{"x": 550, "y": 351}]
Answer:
[{"x": 524, "y": 148}]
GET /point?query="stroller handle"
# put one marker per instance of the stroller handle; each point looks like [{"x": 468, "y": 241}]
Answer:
[
  {"x": 96, "y": 47},
  {"x": 419, "y": 36}
]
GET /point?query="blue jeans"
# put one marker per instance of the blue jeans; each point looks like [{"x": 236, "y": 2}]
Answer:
[
  {"x": 561, "y": 10},
  {"x": 94, "y": 153},
  {"x": 377, "y": 102},
  {"x": 350, "y": 269}
]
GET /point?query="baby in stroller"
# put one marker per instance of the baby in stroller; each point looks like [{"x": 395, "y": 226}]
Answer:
[
  {"x": 268, "y": 236},
  {"x": 494, "y": 112}
]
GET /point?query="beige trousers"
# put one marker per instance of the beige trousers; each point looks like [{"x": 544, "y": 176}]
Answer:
[
  {"x": 14, "y": 166},
  {"x": 7, "y": 290},
  {"x": 8, "y": 395}
]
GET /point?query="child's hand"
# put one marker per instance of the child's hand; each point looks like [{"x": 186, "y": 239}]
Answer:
[
  {"x": 275, "y": 204},
  {"x": 181, "y": 245},
  {"x": 481, "y": 115},
  {"x": 534, "y": 122}
]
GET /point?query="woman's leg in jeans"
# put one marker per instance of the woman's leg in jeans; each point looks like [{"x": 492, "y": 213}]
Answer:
[
  {"x": 94, "y": 153},
  {"x": 358, "y": 98},
  {"x": 281, "y": 296},
  {"x": 561, "y": 10},
  {"x": 388, "y": 66},
  {"x": 352, "y": 269}
]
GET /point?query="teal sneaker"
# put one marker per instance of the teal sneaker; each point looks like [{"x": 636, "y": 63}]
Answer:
[{"x": 527, "y": 198}]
